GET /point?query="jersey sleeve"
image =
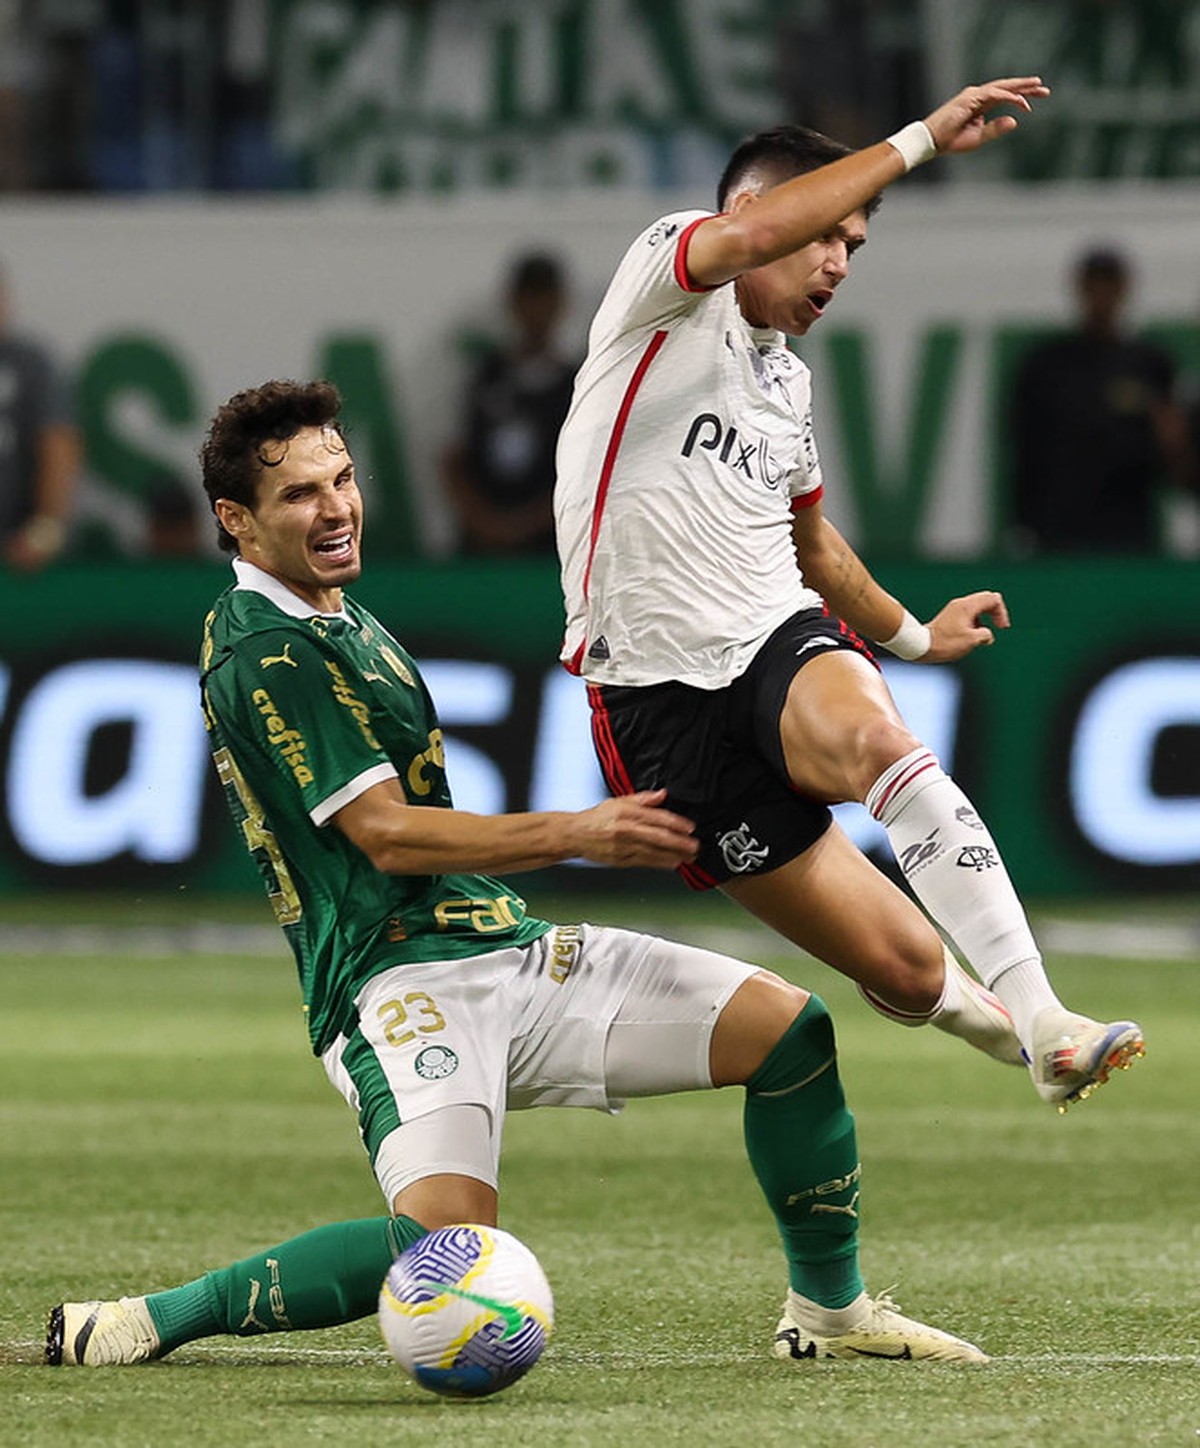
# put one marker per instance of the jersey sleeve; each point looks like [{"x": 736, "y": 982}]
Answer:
[
  {"x": 806, "y": 483},
  {"x": 306, "y": 721},
  {"x": 652, "y": 285}
]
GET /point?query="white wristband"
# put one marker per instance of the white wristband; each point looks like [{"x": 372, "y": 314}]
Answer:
[
  {"x": 915, "y": 144},
  {"x": 912, "y": 640}
]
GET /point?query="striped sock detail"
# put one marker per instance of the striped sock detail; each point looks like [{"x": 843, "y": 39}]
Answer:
[{"x": 894, "y": 787}]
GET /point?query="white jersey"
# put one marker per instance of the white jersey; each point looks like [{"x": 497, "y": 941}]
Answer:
[{"x": 688, "y": 444}]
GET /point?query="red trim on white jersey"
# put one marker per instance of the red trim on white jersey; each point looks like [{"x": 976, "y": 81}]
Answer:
[
  {"x": 806, "y": 500},
  {"x": 575, "y": 664},
  {"x": 686, "y": 284}
]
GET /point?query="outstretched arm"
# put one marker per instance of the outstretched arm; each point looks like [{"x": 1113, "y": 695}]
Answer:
[
  {"x": 403, "y": 839},
  {"x": 843, "y": 580},
  {"x": 789, "y": 216}
]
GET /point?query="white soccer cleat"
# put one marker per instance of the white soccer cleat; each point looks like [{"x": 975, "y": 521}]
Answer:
[
  {"x": 100, "y": 1334},
  {"x": 882, "y": 1331},
  {"x": 1072, "y": 1055}
]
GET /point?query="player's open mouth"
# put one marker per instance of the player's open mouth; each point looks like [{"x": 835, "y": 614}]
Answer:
[
  {"x": 336, "y": 548},
  {"x": 818, "y": 301}
]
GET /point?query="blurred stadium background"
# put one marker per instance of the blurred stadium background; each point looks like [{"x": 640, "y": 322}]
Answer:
[{"x": 196, "y": 196}]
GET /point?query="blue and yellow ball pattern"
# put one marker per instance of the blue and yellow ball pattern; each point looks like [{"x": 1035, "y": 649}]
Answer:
[{"x": 466, "y": 1310}]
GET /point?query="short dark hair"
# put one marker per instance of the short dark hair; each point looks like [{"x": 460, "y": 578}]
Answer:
[
  {"x": 781, "y": 153},
  {"x": 1102, "y": 261},
  {"x": 536, "y": 271},
  {"x": 231, "y": 458}
]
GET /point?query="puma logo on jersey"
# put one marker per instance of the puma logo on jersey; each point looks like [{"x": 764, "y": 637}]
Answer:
[{"x": 283, "y": 658}]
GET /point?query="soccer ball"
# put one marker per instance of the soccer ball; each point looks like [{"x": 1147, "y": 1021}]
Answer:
[{"x": 466, "y": 1310}]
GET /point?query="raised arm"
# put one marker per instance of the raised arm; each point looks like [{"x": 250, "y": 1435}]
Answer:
[
  {"x": 782, "y": 220},
  {"x": 403, "y": 839}
]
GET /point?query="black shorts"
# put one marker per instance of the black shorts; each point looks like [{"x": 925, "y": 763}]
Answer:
[{"x": 718, "y": 754}]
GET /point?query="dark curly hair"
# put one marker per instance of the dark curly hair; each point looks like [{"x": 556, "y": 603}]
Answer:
[
  {"x": 231, "y": 458},
  {"x": 779, "y": 154}
]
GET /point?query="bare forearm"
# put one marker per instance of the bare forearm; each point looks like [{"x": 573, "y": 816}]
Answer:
[
  {"x": 58, "y": 468},
  {"x": 843, "y": 580},
  {"x": 420, "y": 840},
  {"x": 784, "y": 218},
  {"x": 791, "y": 215},
  {"x": 403, "y": 839}
]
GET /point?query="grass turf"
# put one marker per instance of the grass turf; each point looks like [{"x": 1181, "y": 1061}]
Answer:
[{"x": 159, "y": 1115}]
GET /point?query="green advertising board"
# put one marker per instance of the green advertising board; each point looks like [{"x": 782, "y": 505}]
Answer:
[{"x": 1077, "y": 734}]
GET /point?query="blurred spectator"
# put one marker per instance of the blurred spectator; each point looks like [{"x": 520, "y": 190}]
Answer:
[
  {"x": 39, "y": 450},
  {"x": 854, "y": 69},
  {"x": 133, "y": 95},
  {"x": 499, "y": 472},
  {"x": 172, "y": 522},
  {"x": 14, "y": 67},
  {"x": 1097, "y": 429}
]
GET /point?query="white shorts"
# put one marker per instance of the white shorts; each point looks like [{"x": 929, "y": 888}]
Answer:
[{"x": 585, "y": 1016}]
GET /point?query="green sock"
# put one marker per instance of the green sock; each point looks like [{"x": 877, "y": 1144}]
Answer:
[
  {"x": 329, "y": 1275},
  {"x": 800, "y": 1139}
]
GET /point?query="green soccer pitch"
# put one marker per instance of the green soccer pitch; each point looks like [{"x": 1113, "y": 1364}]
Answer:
[{"x": 159, "y": 1114}]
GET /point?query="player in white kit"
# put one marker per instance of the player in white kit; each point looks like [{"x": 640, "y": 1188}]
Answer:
[{"x": 689, "y": 488}]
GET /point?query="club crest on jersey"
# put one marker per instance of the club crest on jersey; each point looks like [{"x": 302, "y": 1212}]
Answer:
[
  {"x": 741, "y": 851},
  {"x": 749, "y": 456},
  {"x": 435, "y": 1063}
]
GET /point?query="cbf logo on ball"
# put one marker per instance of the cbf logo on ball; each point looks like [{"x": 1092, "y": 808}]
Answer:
[
  {"x": 435, "y": 1063},
  {"x": 466, "y": 1311}
]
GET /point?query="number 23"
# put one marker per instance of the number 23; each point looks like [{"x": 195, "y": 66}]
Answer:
[{"x": 394, "y": 1016}]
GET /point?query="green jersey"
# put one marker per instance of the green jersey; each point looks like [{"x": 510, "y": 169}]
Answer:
[{"x": 305, "y": 711}]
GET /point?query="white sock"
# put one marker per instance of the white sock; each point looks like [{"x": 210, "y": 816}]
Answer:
[
  {"x": 950, "y": 998},
  {"x": 952, "y": 864},
  {"x": 827, "y": 1321}
]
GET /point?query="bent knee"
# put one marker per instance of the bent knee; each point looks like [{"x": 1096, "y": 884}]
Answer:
[
  {"x": 879, "y": 742},
  {"x": 911, "y": 980},
  {"x": 443, "y": 1199},
  {"x": 752, "y": 1023}
]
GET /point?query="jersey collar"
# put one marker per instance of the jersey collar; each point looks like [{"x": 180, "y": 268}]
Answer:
[{"x": 257, "y": 580}]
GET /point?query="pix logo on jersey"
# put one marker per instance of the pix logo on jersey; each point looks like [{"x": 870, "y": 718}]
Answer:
[{"x": 751, "y": 458}]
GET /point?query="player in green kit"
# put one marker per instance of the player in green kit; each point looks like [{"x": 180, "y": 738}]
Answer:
[
  {"x": 261, "y": 658},
  {"x": 434, "y": 1001}
]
